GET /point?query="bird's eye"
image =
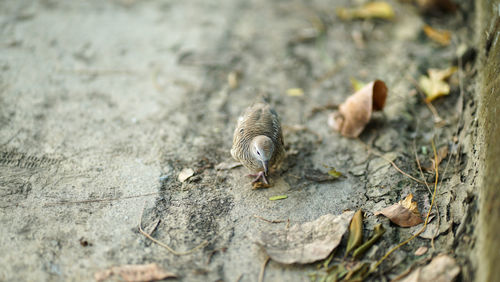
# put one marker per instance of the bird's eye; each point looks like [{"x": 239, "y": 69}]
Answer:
[{"x": 258, "y": 153}]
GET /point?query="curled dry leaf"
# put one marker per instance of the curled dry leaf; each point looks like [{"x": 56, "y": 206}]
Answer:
[
  {"x": 185, "y": 174},
  {"x": 443, "y": 37},
  {"x": 356, "y": 111},
  {"x": 371, "y": 10},
  {"x": 355, "y": 232},
  {"x": 404, "y": 213},
  {"x": 307, "y": 242},
  {"x": 144, "y": 272},
  {"x": 434, "y": 85},
  {"x": 442, "y": 268}
]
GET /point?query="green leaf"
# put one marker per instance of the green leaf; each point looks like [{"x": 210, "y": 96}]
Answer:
[
  {"x": 279, "y": 197},
  {"x": 334, "y": 173},
  {"x": 378, "y": 231},
  {"x": 355, "y": 232}
]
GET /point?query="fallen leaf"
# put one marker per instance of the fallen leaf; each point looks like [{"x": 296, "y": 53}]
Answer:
[
  {"x": 442, "y": 268},
  {"x": 434, "y": 85},
  {"x": 334, "y": 173},
  {"x": 355, "y": 232},
  {"x": 233, "y": 79},
  {"x": 356, "y": 84},
  {"x": 295, "y": 92},
  {"x": 378, "y": 231},
  {"x": 371, "y": 10},
  {"x": 404, "y": 213},
  {"x": 185, "y": 174},
  {"x": 227, "y": 165},
  {"x": 279, "y": 197},
  {"x": 441, "y": 155},
  {"x": 443, "y": 37},
  {"x": 307, "y": 242},
  {"x": 420, "y": 251},
  {"x": 356, "y": 111},
  {"x": 144, "y": 272}
]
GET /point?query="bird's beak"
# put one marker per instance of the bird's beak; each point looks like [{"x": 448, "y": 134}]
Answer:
[{"x": 265, "y": 165}]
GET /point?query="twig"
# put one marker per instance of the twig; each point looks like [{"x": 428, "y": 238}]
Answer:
[
  {"x": 99, "y": 200},
  {"x": 203, "y": 244},
  {"x": 389, "y": 161},
  {"x": 263, "y": 269},
  {"x": 374, "y": 267},
  {"x": 428, "y": 189},
  {"x": 268, "y": 220}
]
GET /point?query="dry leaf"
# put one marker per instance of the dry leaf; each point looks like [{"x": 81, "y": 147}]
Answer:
[
  {"x": 185, "y": 174},
  {"x": 260, "y": 185},
  {"x": 434, "y": 85},
  {"x": 404, "y": 213},
  {"x": 233, "y": 79},
  {"x": 441, "y": 269},
  {"x": 443, "y": 37},
  {"x": 441, "y": 155},
  {"x": 356, "y": 84},
  {"x": 355, "y": 232},
  {"x": 371, "y": 10},
  {"x": 307, "y": 242},
  {"x": 144, "y": 272},
  {"x": 436, "y": 6},
  {"x": 227, "y": 165},
  {"x": 334, "y": 173},
  {"x": 356, "y": 111},
  {"x": 420, "y": 251},
  {"x": 295, "y": 92}
]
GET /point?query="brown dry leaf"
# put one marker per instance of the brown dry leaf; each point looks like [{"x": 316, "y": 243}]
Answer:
[
  {"x": 185, "y": 174},
  {"x": 130, "y": 272},
  {"x": 260, "y": 185},
  {"x": 356, "y": 111},
  {"x": 404, "y": 213},
  {"x": 441, "y": 155},
  {"x": 307, "y": 242},
  {"x": 443, "y": 37},
  {"x": 441, "y": 269},
  {"x": 434, "y": 85},
  {"x": 371, "y": 10}
]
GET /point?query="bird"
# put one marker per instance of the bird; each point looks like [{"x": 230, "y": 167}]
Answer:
[{"x": 258, "y": 140}]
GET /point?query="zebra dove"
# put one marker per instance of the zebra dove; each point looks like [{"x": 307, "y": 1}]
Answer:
[{"x": 258, "y": 140}]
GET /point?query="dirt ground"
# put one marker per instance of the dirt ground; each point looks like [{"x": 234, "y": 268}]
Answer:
[{"x": 103, "y": 103}]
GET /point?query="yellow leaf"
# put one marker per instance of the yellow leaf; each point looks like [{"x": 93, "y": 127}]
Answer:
[
  {"x": 442, "y": 37},
  {"x": 434, "y": 85},
  {"x": 295, "y": 92},
  {"x": 334, "y": 173},
  {"x": 410, "y": 205},
  {"x": 355, "y": 232},
  {"x": 356, "y": 84},
  {"x": 380, "y": 10}
]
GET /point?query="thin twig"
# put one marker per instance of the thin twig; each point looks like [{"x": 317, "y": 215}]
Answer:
[
  {"x": 263, "y": 269},
  {"x": 426, "y": 218},
  {"x": 268, "y": 220},
  {"x": 203, "y": 244},
  {"x": 428, "y": 189},
  {"x": 99, "y": 200},
  {"x": 389, "y": 161}
]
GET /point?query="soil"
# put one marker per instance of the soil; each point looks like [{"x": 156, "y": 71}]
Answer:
[{"x": 104, "y": 103}]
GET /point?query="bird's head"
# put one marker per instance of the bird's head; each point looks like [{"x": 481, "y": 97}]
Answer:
[{"x": 262, "y": 149}]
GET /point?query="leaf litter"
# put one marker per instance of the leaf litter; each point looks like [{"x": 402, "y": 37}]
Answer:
[
  {"x": 371, "y": 10},
  {"x": 404, "y": 213},
  {"x": 442, "y": 268},
  {"x": 434, "y": 85},
  {"x": 441, "y": 36},
  {"x": 355, "y": 113},
  {"x": 307, "y": 242},
  {"x": 138, "y": 272}
]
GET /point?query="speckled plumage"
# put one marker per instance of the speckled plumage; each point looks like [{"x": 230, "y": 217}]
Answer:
[{"x": 258, "y": 120}]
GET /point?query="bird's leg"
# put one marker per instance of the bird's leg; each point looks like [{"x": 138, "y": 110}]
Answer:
[{"x": 258, "y": 176}]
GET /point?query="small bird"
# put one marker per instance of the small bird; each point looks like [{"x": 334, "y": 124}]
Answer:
[{"x": 258, "y": 140}]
